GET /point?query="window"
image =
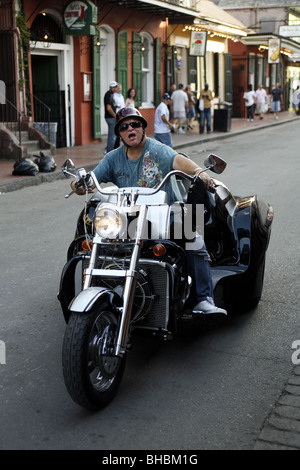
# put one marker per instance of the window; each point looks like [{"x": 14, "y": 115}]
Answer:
[{"x": 147, "y": 71}]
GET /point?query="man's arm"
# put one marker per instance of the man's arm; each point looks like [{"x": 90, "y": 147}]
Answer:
[
  {"x": 110, "y": 110},
  {"x": 191, "y": 168},
  {"x": 163, "y": 117}
]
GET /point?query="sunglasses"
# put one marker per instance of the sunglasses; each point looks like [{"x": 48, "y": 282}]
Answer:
[{"x": 133, "y": 124}]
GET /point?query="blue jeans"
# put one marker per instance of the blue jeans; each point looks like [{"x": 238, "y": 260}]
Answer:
[
  {"x": 111, "y": 137},
  {"x": 205, "y": 116},
  {"x": 165, "y": 138},
  {"x": 200, "y": 272}
]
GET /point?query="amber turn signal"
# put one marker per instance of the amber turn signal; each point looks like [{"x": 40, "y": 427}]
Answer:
[
  {"x": 159, "y": 249},
  {"x": 86, "y": 245}
]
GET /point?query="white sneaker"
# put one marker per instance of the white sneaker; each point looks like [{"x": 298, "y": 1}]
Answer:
[
  {"x": 252, "y": 120},
  {"x": 248, "y": 120},
  {"x": 181, "y": 131},
  {"x": 207, "y": 307}
]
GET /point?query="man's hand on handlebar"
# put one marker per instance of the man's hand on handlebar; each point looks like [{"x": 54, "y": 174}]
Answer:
[{"x": 82, "y": 183}]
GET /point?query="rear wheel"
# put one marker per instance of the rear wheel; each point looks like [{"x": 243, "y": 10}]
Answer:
[{"x": 92, "y": 373}]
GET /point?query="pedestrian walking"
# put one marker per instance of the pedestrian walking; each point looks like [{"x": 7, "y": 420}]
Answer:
[
  {"x": 170, "y": 105},
  {"x": 205, "y": 113},
  {"x": 131, "y": 98},
  {"x": 249, "y": 97},
  {"x": 276, "y": 94},
  {"x": 162, "y": 124},
  {"x": 119, "y": 103},
  {"x": 180, "y": 103},
  {"x": 109, "y": 115},
  {"x": 261, "y": 101},
  {"x": 296, "y": 100},
  {"x": 190, "y": 116}
]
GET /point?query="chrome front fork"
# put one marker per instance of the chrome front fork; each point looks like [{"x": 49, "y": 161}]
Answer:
[{"x": 130, "y": 282}]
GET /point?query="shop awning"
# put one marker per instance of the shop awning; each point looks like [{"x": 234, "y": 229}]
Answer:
[
  {"x": 187, "y": 12},
  {"x": 177, "y": 11},
  {"x": 288, "y": 46}
]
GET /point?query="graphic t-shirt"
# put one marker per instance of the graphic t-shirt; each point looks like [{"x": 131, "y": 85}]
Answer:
[{"x": 155, "y": 161}]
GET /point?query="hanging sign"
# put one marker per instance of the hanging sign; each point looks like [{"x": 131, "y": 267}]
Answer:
[
  {"x": 198, "y": 43},
  {"x": 80, "y": 18},
  {"x": 274, "y": 51},
  {"x": 289, "y": 31}
]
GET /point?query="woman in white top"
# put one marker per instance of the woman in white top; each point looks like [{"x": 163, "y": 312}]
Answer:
[{"x": 130, "y": 100}]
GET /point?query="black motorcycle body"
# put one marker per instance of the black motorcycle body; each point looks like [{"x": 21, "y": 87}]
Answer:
[{"x": 112, "y": 285}]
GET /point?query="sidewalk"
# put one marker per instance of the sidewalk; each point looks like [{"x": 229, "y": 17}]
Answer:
[{"x": 88, "y": 156}]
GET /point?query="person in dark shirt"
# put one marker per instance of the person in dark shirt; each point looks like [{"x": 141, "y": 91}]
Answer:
[
  {"x": 110, "y": 114},
  {"x": 276, "y": 100}
]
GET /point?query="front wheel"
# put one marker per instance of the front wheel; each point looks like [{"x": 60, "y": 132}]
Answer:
[{"x": 92, "y": 374}]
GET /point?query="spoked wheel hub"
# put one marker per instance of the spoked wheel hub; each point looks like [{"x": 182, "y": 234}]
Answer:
[{"x": 102, "y": 350}]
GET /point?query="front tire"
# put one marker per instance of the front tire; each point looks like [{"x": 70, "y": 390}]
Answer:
[{"x": 91, "y": 373}]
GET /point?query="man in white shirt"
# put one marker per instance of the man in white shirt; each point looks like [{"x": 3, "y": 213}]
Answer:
[
  {"x": 180, "y": 106},
  {"x": 249, "y": 97},
  {"x": 261, "y": 100},
  {"x": 119, "y": 98},
  {"x": 162, "y": 125}
]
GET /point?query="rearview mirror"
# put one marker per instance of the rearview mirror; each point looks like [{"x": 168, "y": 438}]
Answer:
[
  {"x": 215, "y": 163},
  {"x": 68, "y": 168}
]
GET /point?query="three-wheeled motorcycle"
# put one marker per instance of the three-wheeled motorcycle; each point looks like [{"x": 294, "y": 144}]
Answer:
[{"x": 126, "y": 270}]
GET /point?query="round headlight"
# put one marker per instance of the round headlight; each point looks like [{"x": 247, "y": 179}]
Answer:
[{"x": 110, "y": 221}]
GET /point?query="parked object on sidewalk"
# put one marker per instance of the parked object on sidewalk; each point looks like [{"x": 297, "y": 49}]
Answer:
[
  {"x": 25, "y": 167},
  {"x": 46, "y": 163},
  {"x": 222, "y": 116}
]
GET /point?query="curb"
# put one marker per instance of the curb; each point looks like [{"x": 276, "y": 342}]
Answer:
[
  {"x": 57, "y": 175},
  {"x": 227, "y": 135},
  {"x": 281, "y": 430}
]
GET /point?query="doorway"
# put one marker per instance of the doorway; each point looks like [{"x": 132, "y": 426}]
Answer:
[{"x": 46, "y": 88}]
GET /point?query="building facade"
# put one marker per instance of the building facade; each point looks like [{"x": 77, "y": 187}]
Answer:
[
  {"x": 273, "y": 23},
  {"x": 61, "y": 57}
]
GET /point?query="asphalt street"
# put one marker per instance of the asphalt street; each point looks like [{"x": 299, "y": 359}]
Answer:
[{"x": 281, "y": 427}]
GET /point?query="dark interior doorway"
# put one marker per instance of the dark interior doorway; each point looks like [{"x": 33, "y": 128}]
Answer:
[{"x": 46, "y": 88}]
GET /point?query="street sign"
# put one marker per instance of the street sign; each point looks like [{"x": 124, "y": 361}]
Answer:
[{"x": 289, "y": 31}]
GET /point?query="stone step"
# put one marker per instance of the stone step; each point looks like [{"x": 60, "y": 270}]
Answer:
[{"x": 31, "y": 145}]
